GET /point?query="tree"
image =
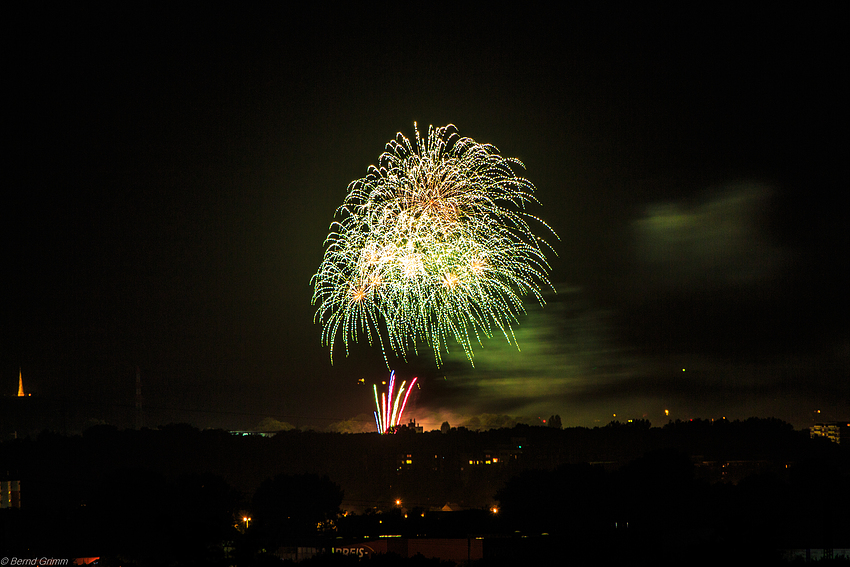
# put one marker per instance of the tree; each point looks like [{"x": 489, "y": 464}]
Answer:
[
  {"x": 132, "y": 508},
  {"x": 294, "y": 505},
  {"x": 202, "y": 518},
  {"x": 571, "y": 498},
  {"x": 445, "y": 428},
  {"x": 555, "y": 421}
]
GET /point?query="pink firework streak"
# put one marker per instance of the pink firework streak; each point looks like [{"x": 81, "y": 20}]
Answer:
[{"x": 390, "y": 411}]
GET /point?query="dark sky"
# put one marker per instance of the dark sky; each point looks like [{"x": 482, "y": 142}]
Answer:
[{"x": 174, "y": 174}]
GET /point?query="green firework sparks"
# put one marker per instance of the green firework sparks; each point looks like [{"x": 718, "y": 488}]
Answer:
[{"x": 433, "y": 244}]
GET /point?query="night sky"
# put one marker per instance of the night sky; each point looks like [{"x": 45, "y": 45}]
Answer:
[{"x": 174, "y": 174}]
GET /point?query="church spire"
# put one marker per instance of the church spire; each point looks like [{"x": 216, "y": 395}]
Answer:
[{"x": 20, "y": 384}]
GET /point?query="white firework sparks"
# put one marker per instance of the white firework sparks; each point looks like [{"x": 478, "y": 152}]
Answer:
[{"x": 433, "y": 244}]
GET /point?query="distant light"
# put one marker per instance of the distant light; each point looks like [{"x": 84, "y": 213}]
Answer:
[
  {"x": 666, "y": 412},
  {"x": 683, "y": 369}
]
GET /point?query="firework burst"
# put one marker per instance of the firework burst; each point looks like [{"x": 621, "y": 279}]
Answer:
[
  {"x": 434, "y": 244},
  {"x": 389, "y": 411}
]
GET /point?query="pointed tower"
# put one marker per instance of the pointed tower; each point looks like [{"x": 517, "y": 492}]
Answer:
[{"x": 20, "y": 384}]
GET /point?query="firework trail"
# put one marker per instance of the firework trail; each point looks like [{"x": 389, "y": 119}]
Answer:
[
  {"x": 389, "y": 412},
  {"x": 433, "y": 244}
]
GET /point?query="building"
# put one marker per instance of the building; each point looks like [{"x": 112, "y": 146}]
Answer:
[
  {"x": 25, "y": 415},
  {"x": 21, "y": 393},
  {"x": 458, "y": 550},
  {"x": 835, "y": 431},
  {"x": 10, "y": 494}
]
